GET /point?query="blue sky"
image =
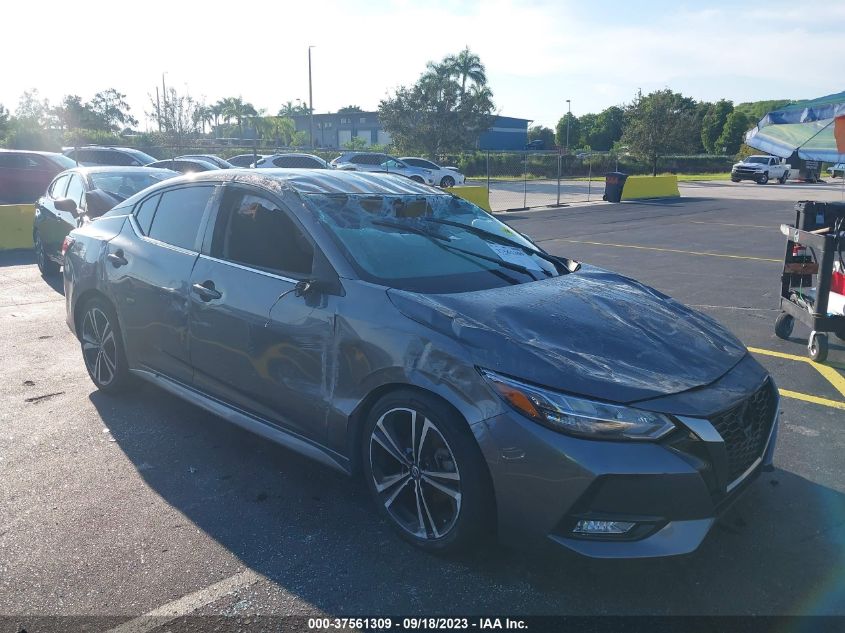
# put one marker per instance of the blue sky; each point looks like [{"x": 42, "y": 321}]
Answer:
[{"x": 538, "y": 54}]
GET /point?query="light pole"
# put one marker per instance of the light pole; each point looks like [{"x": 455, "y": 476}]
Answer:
[
  {"x": 568, "y": 121},
  {"x": 310, "y": 103}
]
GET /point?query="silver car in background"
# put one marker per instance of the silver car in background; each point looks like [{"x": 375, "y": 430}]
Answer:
[
  {"x": 378, "y": 162},
  {"x": 443, "y": 176}
]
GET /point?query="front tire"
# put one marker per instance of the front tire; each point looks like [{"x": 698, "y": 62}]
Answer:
[
  {"x": 818, "y": 347},
  {"x": 46, "y": 266},
  {"x": 425, "y": 472},
  {"x": 762, "y": 180},
  {"x": 102, "y": 346}
]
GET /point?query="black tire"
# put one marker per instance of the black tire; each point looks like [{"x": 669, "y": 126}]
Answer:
[
  {"x": 447, "y": 181},
  {"x": 418, "y": 179},
  {"x": 782, "y": 179},
  {"x": 784, "y": 325},
  {"x": 46, "y": 266},
  {"x": 400, "y": 477},
  {"x": 818, "y": 348},
  {"x": 762, "y": 180},
  {"x": 735, "y": 179},
  {"x": 102, "y": 346}
]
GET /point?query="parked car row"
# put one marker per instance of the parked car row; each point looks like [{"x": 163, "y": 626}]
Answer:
[{"x": 24, "y": 175}]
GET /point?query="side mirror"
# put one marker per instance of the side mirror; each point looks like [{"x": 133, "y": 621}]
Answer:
[
  {"x": 66, "y": 204},
  {"x": 97, "y": 202}
]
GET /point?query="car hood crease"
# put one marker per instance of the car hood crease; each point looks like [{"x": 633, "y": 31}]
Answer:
[{"x": 593, "y": 333}]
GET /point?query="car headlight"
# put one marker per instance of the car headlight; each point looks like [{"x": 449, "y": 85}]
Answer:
[{"x": 579, "y": 416}]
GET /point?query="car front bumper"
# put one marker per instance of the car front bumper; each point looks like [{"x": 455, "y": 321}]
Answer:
[
  {"x": 545, "y": 482},
  {"x": 746, "y": 175}
]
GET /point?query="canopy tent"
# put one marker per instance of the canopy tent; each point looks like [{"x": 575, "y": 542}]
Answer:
[{"x": 815, "y": 129}]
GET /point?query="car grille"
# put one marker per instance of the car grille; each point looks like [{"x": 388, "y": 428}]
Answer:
[
  {"x": 745, "y": 429},
  {"x": 744, "y": 170}
]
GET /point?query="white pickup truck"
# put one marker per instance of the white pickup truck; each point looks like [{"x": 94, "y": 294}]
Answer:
[{"x": 761, "y": 169}]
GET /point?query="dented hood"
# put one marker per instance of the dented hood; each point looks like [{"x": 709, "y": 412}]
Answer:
[{"x": 592, "y": 333}]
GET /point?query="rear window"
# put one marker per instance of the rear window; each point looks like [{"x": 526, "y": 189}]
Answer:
[{"x": 179, "y": 214}]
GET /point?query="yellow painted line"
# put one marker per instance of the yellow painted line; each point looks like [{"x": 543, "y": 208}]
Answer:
[
  {"x": 769, "y": 352},
  {"x": 747, "y": 226},
  {"x": 672, "y": 250},
  {"x": 829, "y": 373},
  {"x": 833, "y": 376},
  {"x": 786, "y": 393}
]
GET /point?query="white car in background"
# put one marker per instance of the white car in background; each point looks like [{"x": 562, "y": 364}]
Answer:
[{"x": 443, "y": 176}]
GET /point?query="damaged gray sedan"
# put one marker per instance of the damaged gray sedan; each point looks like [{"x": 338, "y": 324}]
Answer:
[{"x": 480, "y": 385}]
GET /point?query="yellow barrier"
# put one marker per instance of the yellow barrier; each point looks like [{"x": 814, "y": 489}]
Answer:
[
  {"x": 638, "y": 187},
  {"x": 16, "y": 226},
  {"x": 477, "y": 195}
]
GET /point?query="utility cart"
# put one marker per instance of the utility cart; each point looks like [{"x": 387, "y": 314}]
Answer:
[{"x": 813, "y": 280}]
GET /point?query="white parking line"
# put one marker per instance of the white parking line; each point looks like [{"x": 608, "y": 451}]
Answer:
[{"x": 187, "y": 604}]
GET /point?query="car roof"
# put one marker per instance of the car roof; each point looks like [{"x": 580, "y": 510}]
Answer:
[
  {"x": 29, "y": 151},
  {"x": 310, "y": 181},
  {"x": 104, "y": 169}
]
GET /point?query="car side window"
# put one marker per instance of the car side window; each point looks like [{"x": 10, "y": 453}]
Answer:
[
  {"x": 120, "y": 159},
  {"x": 59, "y": 186},
  {"x": 361, "y": 159},
  {"x": 252, "y": 230},
  {"x": 145, "y": 211},
  {"x": 75, "y": 189},
  {"x": 179, "y": 214}
]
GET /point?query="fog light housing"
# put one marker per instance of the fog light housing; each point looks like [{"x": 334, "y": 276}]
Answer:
[{"x": 585, "y": 526}]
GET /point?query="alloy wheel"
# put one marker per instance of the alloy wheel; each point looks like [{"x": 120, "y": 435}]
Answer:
[
  {"x": 415, "y": 473},
  {"x": 99, "y": 347},
  {"x": 40, "y": 257}
]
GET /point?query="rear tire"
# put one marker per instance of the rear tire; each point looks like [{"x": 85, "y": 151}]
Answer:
[
  {"x": 426, "y": 474},
  {"x": 46, "y": 266},
  {"x": 102, "y": 346},
  {"x": 784, "y": 325},
  {"x": 782, "y": 179},
  {"x": 447, "y": 181},
  {"x": 418, "y": 179}
]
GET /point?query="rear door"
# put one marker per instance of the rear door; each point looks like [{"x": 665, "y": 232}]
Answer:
[
  {"x": 254, "y": 342},
  {"x": 149, "y": 268}
]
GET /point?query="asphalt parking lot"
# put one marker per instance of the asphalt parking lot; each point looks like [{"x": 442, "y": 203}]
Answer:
[{"x": 122, "y": 505}]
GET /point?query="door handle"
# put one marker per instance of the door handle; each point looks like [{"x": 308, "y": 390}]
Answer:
[
  {"x": 206, "y": 291},
  {"x": 117, "y": 259}
]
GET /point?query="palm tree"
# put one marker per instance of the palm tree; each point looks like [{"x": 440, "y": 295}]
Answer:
[
  {"x": 288, "y": 109},
  {"x": 236, "y": 108},
  {"x": 466, "y": 65},
  {"x": 216, "y": 110}
]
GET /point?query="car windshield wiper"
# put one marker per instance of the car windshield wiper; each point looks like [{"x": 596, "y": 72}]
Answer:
[
  {"x": 444, "y": 243},
  {"x": 501, "y": 239}
]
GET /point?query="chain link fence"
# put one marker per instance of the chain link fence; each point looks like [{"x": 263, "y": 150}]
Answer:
[{"x": 515, "y": 180}]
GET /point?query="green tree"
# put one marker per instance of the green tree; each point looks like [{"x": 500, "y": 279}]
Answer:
[
  {"x": 72, "y": 114},
  {"x": 658, "y": 124},
  {"x": 438, "y": 114},
  {"x": 239, "y": 110},
  {"x": 574, "y": 131},
  {"x": 605, "y": 130},
  {"x": 545, "y": 134},
  {"x": 356, "y": 143},
  {"x": 712, "y": 124},
  {"x": 466, "y": 66},
  {"x": 110, "y": 106},
  {"x": 349, "y": 109},
  {"x": 733, "y": 133},
  {"x": 4, "y": 120},
  {"x": 32, "y": 109}
]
